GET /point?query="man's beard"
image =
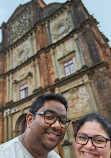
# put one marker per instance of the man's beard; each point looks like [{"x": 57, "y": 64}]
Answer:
[{"x": 50, "y": 147}]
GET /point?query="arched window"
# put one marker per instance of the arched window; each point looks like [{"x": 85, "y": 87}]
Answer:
[{"x": 20, "y": 125}]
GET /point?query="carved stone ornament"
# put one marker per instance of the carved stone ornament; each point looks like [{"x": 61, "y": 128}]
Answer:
[
  {"x": 22, "y": 55},
  {"x": 61, "y": 28},
  {"x": 20, "y": 25}
]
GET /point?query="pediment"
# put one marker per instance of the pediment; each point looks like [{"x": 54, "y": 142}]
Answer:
[
  {"x": 17, "y": 11},
  {"x": 50, "y": 9}
]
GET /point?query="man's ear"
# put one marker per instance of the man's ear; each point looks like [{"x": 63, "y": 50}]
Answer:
[{"x": 29, "y": 119}]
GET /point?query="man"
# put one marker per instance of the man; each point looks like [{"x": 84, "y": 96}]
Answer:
[{"x": 46, "y": 126}]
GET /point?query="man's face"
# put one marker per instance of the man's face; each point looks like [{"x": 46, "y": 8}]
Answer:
[{"x": 48, "y": 136}]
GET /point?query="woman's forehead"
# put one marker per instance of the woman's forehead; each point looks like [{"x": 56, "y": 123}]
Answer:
[{"x": 93, "y": 128}]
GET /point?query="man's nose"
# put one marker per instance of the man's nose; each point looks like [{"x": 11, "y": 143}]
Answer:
[{"x": 56, "y": 124}]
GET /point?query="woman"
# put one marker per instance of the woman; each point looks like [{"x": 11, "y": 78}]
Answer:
[{"x": 93, "y": 137}]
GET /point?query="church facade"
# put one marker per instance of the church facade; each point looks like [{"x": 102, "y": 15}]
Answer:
[{"x": 54, "y": 48}]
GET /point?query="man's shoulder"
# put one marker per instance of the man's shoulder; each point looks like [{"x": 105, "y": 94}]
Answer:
[
  {"x": 7, "y": 149},
  {"x": 53, "y": 154},
  {"x": 7, "y": 145},
  {"x": 14, "y": 149}
]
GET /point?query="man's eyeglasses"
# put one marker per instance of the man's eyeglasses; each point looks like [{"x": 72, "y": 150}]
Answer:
[
  {"x": 50, "y": 118},
  {"x": 98, "y": 140}
]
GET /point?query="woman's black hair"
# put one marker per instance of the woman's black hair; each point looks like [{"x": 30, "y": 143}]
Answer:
[{"x": 102, "y": 120}]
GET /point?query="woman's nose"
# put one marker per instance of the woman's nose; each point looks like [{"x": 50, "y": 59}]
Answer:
[{"x": 89, "y": 145}]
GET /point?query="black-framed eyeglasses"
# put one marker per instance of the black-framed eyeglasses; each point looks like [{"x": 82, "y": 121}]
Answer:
[
  {"x": 50, "y": 118},
  {"x": 98, "y": 141}
]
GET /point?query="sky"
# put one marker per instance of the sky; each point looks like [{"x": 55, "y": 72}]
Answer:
[{"x": 100, "y": 9}]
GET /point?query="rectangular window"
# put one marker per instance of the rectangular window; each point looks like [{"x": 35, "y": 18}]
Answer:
[
  {"x": 69, "y": 67},
  {"x": 24, "y": 91}
]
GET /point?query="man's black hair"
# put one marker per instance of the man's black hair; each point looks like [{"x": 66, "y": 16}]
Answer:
[
  {"x": 40, "y": 100},
  {"x": 104, "y": 123}
]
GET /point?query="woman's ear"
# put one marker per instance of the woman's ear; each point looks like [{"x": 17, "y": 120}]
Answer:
[{"x": 29, "y": 119}]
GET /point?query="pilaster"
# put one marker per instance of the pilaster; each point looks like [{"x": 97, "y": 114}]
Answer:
[
  {"x": 92, "y": 100},
  {"x": 79, "y": 50},
  {"x": 38, "y": 74},
  {"x": 54, "y": 64}
]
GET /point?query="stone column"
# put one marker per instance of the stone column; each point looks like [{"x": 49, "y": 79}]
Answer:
[
  {"x": 54, "y": 64},
  {"x": 37, "y": 73},
  {"x": 1, "y": 128},
  {"x": 70, "y": 17},
  {"x": 11, "y": 88},
  {"x": 34, "y": 81},
  {"x": 67, "y": 147},
  {"x": 9, "y": 127},
  {"x": 8, "y": 91},
  {"x": 5, "y": 128},
  {"x": 11, "y": 59},
  {"x": 66, "y": 151},
  {"x": 8, "y": 61},
  {"x": 15, "y": 92},
  {"x": 91, "y": 95},
  {"x": 1, "y": 91},
  {"x": 79, "y": 50},
  {"x": 48, "y": 31},
  {"x": 34, "y": 42}
]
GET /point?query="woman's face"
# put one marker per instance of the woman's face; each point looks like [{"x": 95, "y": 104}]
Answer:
[{"x": 89, "y": 150}]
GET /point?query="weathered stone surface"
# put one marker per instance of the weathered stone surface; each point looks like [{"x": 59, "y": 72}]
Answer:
[{"x": 37, "y": 58}]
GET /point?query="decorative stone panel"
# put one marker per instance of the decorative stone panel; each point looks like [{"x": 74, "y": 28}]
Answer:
[
  {"x": 21, "y": 52},
  {"x": 66, "y": 51},
  {"x": 60, "y": 26},
  {"x": 78, "y": 102},
  {"x": 20, "y": 25}
]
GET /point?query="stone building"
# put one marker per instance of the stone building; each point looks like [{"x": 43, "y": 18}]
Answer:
[{"x": 53, "y": 48}]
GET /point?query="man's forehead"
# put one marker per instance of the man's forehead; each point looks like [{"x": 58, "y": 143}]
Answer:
[
  {"x": 51, "y": 102},
  {"x": 54, "y": 106}
]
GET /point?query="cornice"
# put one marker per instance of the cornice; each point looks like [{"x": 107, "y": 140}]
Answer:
[
  {"x": 58, "y": 82},
  {"x": 52, "y": 46}
]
